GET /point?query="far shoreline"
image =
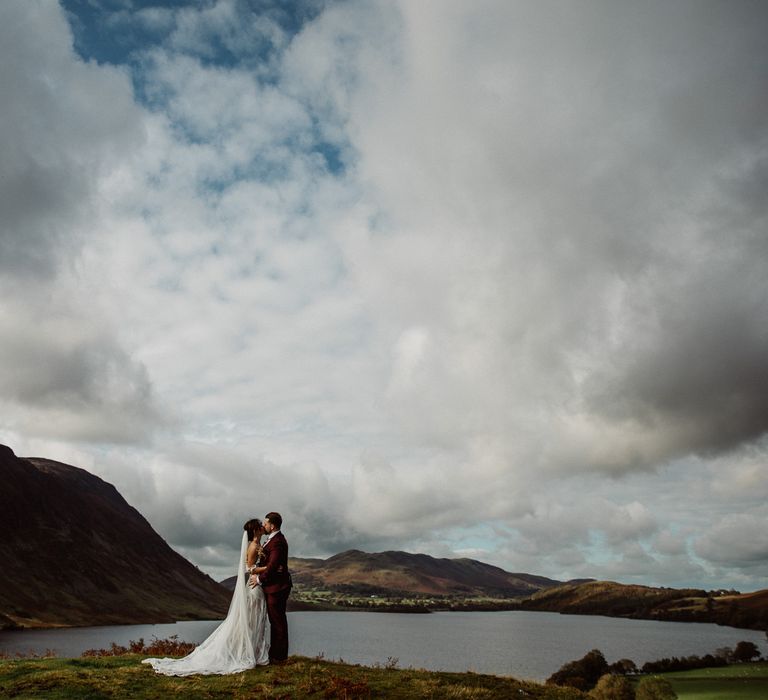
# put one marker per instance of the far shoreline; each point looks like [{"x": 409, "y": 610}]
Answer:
[{"x": 301, "y": 606}]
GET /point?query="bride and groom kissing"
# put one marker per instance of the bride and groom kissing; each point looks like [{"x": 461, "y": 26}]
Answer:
[
  {"x": 255, "y": 631},
  {"x": 268, "y": 567}
]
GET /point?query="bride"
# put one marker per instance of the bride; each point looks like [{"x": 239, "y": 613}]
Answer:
[{"x": 241, "y": 641}]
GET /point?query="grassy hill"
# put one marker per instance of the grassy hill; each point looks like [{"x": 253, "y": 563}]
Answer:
[
  {"x": 125, "y": 676},
  {"x": 745, "y": 610},
  {"x": 735, "y": 682}
]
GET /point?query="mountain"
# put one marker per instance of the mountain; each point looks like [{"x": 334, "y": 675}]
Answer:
[
  {"x": 401, "y": 572},
  {"x": 73, "y": 552},
  {"x": 745, "y": 610},
  {"x": 352, "y": 579}
]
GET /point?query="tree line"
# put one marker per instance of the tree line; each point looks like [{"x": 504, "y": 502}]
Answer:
[{"x": 604, "y": 681}]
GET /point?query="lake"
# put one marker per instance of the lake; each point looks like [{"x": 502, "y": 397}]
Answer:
[{"x": 530, "y": 645}]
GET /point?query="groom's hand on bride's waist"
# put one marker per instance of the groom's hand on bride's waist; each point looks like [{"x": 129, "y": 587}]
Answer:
[{"x": 253, "y": 581}]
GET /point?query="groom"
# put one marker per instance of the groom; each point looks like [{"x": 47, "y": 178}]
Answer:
[{"x": 275, "y": 580}]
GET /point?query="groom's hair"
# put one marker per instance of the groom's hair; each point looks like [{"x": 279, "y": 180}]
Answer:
[
  {"x": 275, "y": 518},
  {"x": 252, "y": 527}
]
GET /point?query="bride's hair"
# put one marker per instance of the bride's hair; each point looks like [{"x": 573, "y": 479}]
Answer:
[{"x": 252, "y": 527}]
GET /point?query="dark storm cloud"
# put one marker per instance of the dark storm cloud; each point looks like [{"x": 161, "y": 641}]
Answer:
[
  {"x": 48, "y": 372},
  {"x": 77, "y": 384},
  {"x": 693, "y": 368},
  {"x": 580, "y": 226}
]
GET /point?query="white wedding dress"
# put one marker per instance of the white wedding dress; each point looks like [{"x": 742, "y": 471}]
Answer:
[{"x": 240, "y": 642}]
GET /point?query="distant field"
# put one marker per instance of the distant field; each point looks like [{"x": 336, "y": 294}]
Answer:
[{"x": 740, "y": 682}]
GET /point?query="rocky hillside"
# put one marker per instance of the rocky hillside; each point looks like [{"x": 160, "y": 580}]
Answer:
[
  {"x": 73, "y": 552},
  {"x": 401, "y": 572}
]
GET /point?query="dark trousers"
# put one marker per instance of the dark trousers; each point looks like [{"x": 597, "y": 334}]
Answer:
[{"x": 278, "y": 623}]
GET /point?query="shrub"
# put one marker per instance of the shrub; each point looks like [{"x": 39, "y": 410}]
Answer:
[
  {"x": 650, "y": 688},
  {"x": 583, "y": 673},
  {"x": 724, "y": 653},
  {"x": 623, "y": 667},
  {"x": 611, "y": 687},
  {"x": 746, "y": 651},
  {"x": 157, "y": 647},
  {"x": 686, "y": 663}
]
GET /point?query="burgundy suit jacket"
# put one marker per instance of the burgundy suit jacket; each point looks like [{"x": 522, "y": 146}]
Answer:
[{"x": 276, "y": 577}]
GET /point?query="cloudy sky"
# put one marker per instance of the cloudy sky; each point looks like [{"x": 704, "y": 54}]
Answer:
[{"x": 481, "y": 279}]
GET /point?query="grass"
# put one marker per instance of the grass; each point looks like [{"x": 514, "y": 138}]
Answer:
[
  {"x": 737, "y": 682},
  {"x": 103, "y": 677},
  {"x": 117, "y": 672}
]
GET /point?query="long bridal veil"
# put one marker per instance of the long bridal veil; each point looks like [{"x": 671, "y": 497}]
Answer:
[{"x": 240, "y": 642}]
